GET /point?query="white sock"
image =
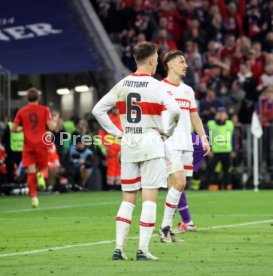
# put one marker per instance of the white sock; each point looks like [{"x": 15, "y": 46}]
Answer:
[
  {"x": 123, "y": 222},
  {"x": 146, "y": 224},
  {"x": 172, "y": 200}
]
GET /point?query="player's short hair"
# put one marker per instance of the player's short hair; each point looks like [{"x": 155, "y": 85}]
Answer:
[
  {"x": 171, "y": 55},
  {"x": 143, "y": 50},
  {"x": 32, "y": 95}
]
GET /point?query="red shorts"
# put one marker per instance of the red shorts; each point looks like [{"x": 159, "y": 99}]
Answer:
[{"x": 37, "y": 156}]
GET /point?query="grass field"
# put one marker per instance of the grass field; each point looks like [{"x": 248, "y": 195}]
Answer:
[{"x": 72, "y": 234}]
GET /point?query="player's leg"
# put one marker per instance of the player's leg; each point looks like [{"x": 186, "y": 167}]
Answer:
[
  {"x": 151, "y": 180},
  {"x": 171, "y": 204},
  {"x": 192, "y": 163},
  {"x": 178, "y": 183},
  {"x": 198, "y": 159},
  {"x": 123, "y": 222},
  {"x": 32, "y": 185},
  {"x": 147, "y": 223},
  {"x": 28, "y": 160},
  {"x": 42, "y": 176},
  {"x": 186, "y": 224},
  {"x": 184, "y": 212},
  {"x": 41, "y": 159},
  {"x": 130, "y": 180}
]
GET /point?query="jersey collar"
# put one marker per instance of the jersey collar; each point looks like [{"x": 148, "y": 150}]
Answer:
[
  {"x": 176, "y": 85},
  {"x": 140, "y": 75}
]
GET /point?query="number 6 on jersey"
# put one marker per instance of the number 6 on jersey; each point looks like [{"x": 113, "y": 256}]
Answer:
[{"x": 133, "y": 111}]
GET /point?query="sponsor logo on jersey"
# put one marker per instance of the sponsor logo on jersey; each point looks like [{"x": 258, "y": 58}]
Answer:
[{"x": 183, "y": 104}]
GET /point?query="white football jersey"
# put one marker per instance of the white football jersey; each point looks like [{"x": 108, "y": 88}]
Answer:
[
  {"x": 140, "y": 100},
  {"x": 185, "y": 98}
]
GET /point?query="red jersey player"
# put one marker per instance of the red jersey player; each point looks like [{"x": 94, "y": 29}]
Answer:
[{"x": 34, "y": 119}]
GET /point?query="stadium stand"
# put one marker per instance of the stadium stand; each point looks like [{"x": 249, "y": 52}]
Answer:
[{"x": 228, "y": 46}]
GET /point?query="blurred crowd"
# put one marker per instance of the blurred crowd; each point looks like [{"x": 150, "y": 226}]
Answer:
[{"x": 228, "y": 46}]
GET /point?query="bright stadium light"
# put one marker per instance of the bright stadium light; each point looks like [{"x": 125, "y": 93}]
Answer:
[
  {"x": 24, "y": 93},
  {"x": 82, "y": 88},
  {"x": 63, "y": 91}
]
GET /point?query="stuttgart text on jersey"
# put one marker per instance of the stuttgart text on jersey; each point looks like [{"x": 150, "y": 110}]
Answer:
[{"x": 136, "y": 84}]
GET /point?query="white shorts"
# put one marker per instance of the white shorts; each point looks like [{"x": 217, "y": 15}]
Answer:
[
  {"x": 178, "y": 160},
  {"x": 150, "y": 174}
]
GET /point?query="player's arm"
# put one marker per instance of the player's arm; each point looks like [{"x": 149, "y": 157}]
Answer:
[
  {"x": 165, "y": 121},
  {"x": 100, "y": 112},
  {"x": 51, "y": 122},
  {"x": 171, "y": 116},
  {"x": 16, "y": 126},
  {"x": 51, "y": 125},
  {"x": 199, "y": 128}
]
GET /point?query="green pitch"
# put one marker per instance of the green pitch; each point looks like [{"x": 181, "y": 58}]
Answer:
[{"x": 72, "y": 234}]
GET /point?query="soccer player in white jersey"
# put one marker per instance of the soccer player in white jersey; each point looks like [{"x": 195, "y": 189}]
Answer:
[
  {"x": 179, "y": 148},
  {"x": 140, "y": 100}
]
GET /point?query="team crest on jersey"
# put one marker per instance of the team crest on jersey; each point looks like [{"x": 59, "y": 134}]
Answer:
[
  {"x": 170, "y": 93},
  {"x": 187, "y": 94}
]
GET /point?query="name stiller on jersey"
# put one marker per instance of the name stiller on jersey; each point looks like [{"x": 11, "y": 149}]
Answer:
[{"x": 185, "y": 98}]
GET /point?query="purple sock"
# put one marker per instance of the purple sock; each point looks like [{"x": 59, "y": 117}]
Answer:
[{"x": 184, "y": 209}]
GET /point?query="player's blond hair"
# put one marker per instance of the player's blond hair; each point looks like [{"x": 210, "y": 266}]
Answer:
[{"x": 143, "y": 50}]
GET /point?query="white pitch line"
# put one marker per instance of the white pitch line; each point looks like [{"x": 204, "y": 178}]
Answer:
[
  {"x": 236, "y": 225},
  {"x": 76, "y": 205},
  {"x": 55, "y": 248},
  {"x": 60, "y": 207},
  {"x": 49, "y": 218},
  {"x": 88, "y": 217},
  {"x": 235, "y": 215},
  {"x": 133, "y": 238}
]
